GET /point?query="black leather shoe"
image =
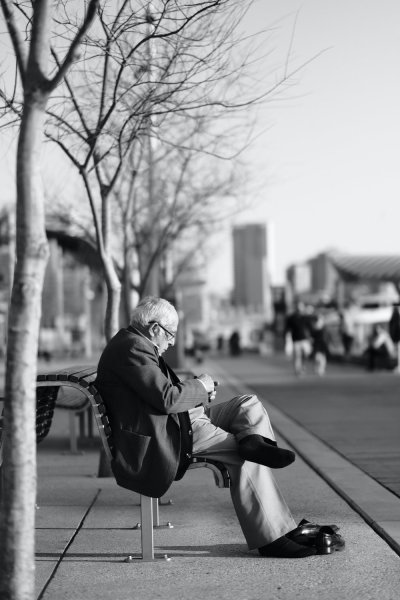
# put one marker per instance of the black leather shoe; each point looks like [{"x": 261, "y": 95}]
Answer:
[
  {"x": 306, "y": 533},
  {"x": 327, "y": 541},
  {"x": 310, "y": 527},
  {"x": 255, "y": 449},
  {"x": 285, "y": 548}
]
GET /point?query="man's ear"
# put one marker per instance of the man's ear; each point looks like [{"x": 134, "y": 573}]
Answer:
[{"x": 152, "y": 333}]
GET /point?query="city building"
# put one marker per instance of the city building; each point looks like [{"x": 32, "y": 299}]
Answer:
[
  {"x": 339, "y": 278},
  {"x": 252, "y": 267},
  {"x": 72, "y": 296}
]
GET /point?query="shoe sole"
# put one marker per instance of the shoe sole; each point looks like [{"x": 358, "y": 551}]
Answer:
[{"x": 330, "y": 549}]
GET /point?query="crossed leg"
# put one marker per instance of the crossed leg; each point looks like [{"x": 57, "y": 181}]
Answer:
[{"x": 260, "y": 507}]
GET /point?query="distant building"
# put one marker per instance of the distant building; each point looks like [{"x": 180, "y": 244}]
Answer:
[
  {"x": 194, "y": 303},
  {"x": 298, "y": 282},
  {"x": 252, "y": 252},
  {"x": 323, "y": 274},
  {"x": 334, "y": 277},
  {"x": 72, "y": 295}
]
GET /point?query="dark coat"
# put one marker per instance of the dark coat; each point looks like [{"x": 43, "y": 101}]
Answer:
[
  {"x": 296, "y": 324},
  {"x": 143, "y": 397}
]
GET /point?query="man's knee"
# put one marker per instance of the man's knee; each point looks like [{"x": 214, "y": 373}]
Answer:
[{"x": 246, "y": 398}]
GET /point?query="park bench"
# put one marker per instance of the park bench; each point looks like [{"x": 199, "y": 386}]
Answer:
[{"x": 87, "y": 397}]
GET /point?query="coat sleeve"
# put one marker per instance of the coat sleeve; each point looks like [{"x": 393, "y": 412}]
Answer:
[{"x": 137, "y": 368}]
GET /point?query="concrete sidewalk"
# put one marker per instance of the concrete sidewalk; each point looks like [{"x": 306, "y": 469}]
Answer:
[
  {"x": 84, "y": 526},
  {"x": 378, "y": 506}
]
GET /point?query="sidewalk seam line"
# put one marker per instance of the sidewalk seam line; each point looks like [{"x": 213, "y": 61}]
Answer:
[{"x": 64, "y": 552}]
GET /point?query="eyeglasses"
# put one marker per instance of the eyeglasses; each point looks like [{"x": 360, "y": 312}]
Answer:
[{"x": 170, "y": 335}]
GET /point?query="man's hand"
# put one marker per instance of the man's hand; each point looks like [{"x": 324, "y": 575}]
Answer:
[
  {"x": 212, "y": 396},
  {"x": 207, "y": 381}
]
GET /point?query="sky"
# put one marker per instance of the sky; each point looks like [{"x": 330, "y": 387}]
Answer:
[
  {"x": 326, "y": 166},
  {"x": 330, "y": 155}
]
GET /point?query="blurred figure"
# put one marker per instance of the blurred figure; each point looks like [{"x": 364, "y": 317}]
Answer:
[
  {"x": 380, "y": 347},
  {"x": 198, "y": 353},
  {"x": 297, "y": 330},
  {"x": 394, "y": 331},
  {"x": 234, "y": 344},
  {"x": 319, "y": 345},
  {"x": 220, "y": 343},
  {"x": 346, "y": 329},
  {"x": 265, "y": 341}
]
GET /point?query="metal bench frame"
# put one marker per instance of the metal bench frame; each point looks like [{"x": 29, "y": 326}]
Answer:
[
  {"x": 76, "y": 407},
  {"x": 82, "y": 380}
]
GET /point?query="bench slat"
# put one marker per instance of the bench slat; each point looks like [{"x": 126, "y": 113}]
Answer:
[
  {"x": 84, "y": 377},
  {"x": 60, "y": 375},
  {"x": 64, "y": 373}
]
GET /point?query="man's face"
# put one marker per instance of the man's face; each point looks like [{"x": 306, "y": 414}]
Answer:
[{"x": 164, "y": 333}]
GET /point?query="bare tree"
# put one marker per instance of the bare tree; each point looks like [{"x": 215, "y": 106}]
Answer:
[
  {"x": 137, "y": 66},
  {"x": 142, "y": 63},
  {"x": 191, "y": 192},
  {"x": 31, "y": 48},
  {"x": 145, "y": 76}
]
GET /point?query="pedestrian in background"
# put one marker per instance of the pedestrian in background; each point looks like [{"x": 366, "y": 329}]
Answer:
[
  {"x": 346, "y": 329},
  {"x": 297, "y": 333},
  {"x": 380, "y": 346},
  {"x": 220, "y": 343},
  {"x": 319, "y": 345},
  {"x": 394, "y": 331},
  {"x": 234, "y": 344}
]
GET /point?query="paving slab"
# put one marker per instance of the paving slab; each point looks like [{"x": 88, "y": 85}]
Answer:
[
  {"x": 44, "y": 568},
  {"x": 57, "y": 517}
]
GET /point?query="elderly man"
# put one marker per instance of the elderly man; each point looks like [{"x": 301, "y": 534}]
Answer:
[{"x": 160, "y": 422}]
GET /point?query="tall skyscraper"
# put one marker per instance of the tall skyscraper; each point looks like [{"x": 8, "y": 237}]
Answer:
[{"x": 252, "y": 255}]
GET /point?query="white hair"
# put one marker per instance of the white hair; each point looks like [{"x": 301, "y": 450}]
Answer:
[{"x": 152, "y": 308}]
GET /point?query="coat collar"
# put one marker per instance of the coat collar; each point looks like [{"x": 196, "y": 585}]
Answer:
[
  {"x": 137, "y": 332},
  {"x": 165, "y": 368}
]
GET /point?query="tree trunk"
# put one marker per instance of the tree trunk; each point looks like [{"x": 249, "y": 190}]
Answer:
[
  {"x": 113, "y": 285},
  {"x": 111, "y": 327},
  {"x": 17, "y": 521},
  {"x": 126, "y": 292}
]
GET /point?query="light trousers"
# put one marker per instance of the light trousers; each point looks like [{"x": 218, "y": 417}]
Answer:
[{"x": 260, "y": 507}]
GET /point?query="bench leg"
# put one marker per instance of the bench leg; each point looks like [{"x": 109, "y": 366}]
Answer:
[
  {"x": 81, "y": 417},
  {"x": 156, "y": 513},
  {"x": 89, "y": 413},
  {"x": 156, "y": 516},
  {"x": 73, "y": 444},
  {"x": 146, "y": 517},
  {"x": 147, "y": 529}
]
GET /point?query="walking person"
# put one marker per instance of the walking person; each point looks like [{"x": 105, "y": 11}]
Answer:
[
  {"x": 346, "y": 330},
  {"x": 319, "y": 345},
  {"x": 297, "y": 329},
  {"x": 394, "y": 331},
  {"x": 380, "y": 347},
  {"x": 234, "y": 344}
]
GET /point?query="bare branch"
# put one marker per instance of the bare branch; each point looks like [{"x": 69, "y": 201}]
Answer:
[
  {"x": 71, "y": 54},
  {"x": 73, "y": 99},
  {"x": 16, "y": 39}
]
